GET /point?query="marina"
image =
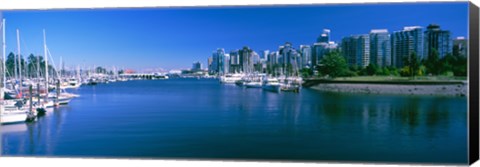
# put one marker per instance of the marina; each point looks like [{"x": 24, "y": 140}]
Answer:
[{"x": 192, "y": 83}]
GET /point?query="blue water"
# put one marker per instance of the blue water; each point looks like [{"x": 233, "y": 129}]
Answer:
[{"x": 202, "y": 119}]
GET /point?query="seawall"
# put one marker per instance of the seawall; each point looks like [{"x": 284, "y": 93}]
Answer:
[{"x": 436, "y": 88}]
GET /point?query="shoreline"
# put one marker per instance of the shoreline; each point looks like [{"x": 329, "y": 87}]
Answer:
[{"x": 431, "y": 88}]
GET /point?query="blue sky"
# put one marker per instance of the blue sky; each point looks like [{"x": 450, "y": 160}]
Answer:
[{"x": 173, "y": 38}]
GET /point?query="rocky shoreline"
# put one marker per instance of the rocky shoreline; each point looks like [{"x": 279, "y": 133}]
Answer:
[{"x": 458, "y": 89}]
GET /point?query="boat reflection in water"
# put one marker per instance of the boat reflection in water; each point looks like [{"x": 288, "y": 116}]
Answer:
[{"x": 201, "y": 118}]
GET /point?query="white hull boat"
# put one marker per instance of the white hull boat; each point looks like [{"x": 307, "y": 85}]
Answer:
[
  {"x": 253, "y": 84},
  {"x": 11, "y": 118},
  {"x": 271, "y": 84}
]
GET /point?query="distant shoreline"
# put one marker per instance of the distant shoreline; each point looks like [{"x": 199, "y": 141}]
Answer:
[{"x": 433, "y": 88}]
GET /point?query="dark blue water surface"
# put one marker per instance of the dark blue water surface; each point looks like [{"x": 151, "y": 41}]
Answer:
[{"x": 202, "y": 119}]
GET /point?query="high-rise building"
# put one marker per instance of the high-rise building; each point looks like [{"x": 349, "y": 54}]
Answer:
[
  {"x": 210, "y": 65},
  {"x": 246, "y": 60},
  {"x": 255, "y": 57},
  {"x": 437, "y": 39},
  {"x": 264, "y": 54},
  {"x": 197, "y": 66},
  {"x": 272, "y": 58},
  {"x": 321, "y": 49},
  {"x": 460, "y": 47},
  {"x": 306, "y": 55},
  {"x": 225, "y": 68},
  {"x": 257, "y": 63},
  {"x": 219, "y": 62},
  {"x": 222, "y": 61},
  {"x": 324, "y": 37},
  {"x": 235, "y": 66},
  {"x": 380, "y": 52},
  {"x": 356, "y": 50},
  {"x": 405, "y": 42},
  {"x": 287, "y": 55}
]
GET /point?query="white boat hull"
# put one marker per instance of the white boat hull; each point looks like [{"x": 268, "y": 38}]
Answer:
[
  {"x": 253, "y": 85},
  {"x": 12, "y": 118}
]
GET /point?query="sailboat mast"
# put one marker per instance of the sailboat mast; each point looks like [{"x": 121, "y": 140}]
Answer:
[
  {"x": 3, "y": 80},
  {"x": 38, "y": 67},
  {"x": 46, "y": 61},
  {"x": 4, "y": 47},
  {"x": 60, "y": 67},
  {"x": 19, "y": 61}
]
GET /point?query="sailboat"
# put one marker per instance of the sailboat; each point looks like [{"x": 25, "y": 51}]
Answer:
[
  {"x": 60, "y": 96},
  {"x": 255, "y": 81},
  {"x": 292, "y": 83},
  {"x": 10, "y": 115},
  {"x": 271, "y": 84}
]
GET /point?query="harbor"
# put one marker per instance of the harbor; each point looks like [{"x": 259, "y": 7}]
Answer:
[
  {"x": 192, "y": 83},
  {"x": 149, "y": 119}
]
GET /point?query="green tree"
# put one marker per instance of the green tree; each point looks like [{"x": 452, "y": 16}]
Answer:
[
  {"x": 432, "y": 63},
  {"x": 10, "y": 63},
  {"x": 446, "y": 64},
  {"x": 460, "y": 65},
  {"x": 333, "y": 65},
  {"x": 405, "y": 71},
  {"x": 413, "y": 64},
  {"x": 354, "y": 70},
  {"x": 393, "y": 71},
  {"x": 306, "y": 72},
  {"x": 385, "y": 71},
  {"x": 372, "y": 69}
]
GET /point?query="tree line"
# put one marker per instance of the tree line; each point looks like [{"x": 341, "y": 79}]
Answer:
[
  {"x": 334, "y": 65},
  {"x": 34, "y": 66},
  {"x": 29, "y": 66}
]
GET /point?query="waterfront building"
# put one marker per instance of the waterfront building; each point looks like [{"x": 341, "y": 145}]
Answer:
[
  {"x": 306, "y": 55},
  {"x": 264, "y": 54},
  {"x": 438, "y": 39},
  {"x": 246, "y": 60},
  {"x": 255, "y": 57},
  {"x": 225, "y": 68},
  {"x": 288, "y": 57},
  {"x": 197, "y": 66},
  {"x": 234, "y": 65},
  {"x": 219, "y": 63},
  {"x": 356, "y": 50},
  {"x": 319, "y": 50},
  {"x": 405, "y": 42},
  {"x": 210, "y": 65},
  {"x": 460, "y": 47},
  {"x": 222, "y": 61},
  {"x": 324, "y": 37},
  {"x": 321, "y": 47},
  {"x": 380, "y": 52},
  {"x": 215, "y": 63},
  {"x": 257, "y": 63}
]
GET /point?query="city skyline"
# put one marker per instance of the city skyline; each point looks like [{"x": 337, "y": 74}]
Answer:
[{"x": 118, "y": 37}]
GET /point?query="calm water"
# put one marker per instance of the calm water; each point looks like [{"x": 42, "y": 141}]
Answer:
[{"x": 202, "y": 119}]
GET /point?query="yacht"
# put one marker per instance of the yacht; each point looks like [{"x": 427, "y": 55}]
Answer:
[
  {"x": 71, "y": 83},
  {"x": 271, "y": 84},
  {"x": 230, "y": 78},
  {"x": 8, "y": 117},
  {"x": 254, "y": 84}
]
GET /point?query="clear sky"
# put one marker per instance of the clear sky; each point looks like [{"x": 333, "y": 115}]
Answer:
[{"x": 173, "y": 38}]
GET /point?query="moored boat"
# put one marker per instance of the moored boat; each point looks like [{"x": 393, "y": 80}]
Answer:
[
  {"x": 271, "y": 84},
  {"x": 230, "y": 78}
]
